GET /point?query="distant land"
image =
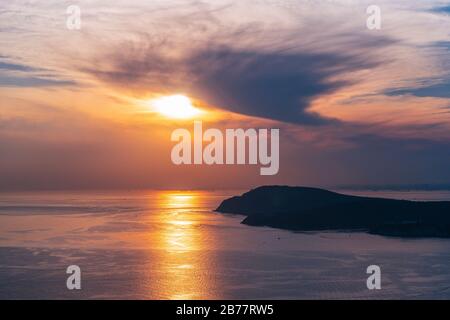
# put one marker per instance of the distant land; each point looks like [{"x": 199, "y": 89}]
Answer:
[
  {"x": 395, "y": 187},
  {"x": 313, "y": 209}
]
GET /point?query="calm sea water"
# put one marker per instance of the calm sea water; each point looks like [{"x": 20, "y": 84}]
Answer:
[{"x": 170, "y": 245}]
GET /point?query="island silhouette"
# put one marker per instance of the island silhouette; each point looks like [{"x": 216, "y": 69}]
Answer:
[{"x": 313, "y": 209}]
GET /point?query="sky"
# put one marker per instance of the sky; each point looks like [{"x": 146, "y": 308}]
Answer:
[{"x": 354, "y": 106}]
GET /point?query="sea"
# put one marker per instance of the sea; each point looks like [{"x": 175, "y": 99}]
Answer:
[{"x": 170, "y": 244}]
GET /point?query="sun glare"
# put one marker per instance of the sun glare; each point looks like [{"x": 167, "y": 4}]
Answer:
[{"x": 176, "y": 106}]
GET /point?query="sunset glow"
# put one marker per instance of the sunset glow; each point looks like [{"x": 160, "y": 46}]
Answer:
[
  {"x": 225, "y": 150},
  {"x": 345, "y": 97}
]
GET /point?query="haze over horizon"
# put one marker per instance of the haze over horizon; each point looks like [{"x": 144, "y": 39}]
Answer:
[{"x": 86, "y": 109}]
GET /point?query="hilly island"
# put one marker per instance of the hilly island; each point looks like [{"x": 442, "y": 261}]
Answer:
[{"x": 313, "y": 209}]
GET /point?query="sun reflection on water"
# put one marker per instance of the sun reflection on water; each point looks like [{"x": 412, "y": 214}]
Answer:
[{"x": 185, "y": 263}]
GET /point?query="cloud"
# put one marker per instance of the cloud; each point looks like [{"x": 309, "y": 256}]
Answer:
[
  {"x": 442, "y": 9},
  {"x": 14, "y": 67},
  {"x": 278, "y": 86},
  {"x": 440, "y": 90},
  {"x": 270, "y": 84},
  {"x": 437, "y": 86},
  {"x": 20, "y": 75},
  {"x": 14, "y": 81}
]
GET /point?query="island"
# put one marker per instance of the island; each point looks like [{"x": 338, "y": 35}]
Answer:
[{"x": 313, "y": 209}]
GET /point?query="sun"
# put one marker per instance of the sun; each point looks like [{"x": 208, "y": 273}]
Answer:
[{"x": 176, "y": 106}]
